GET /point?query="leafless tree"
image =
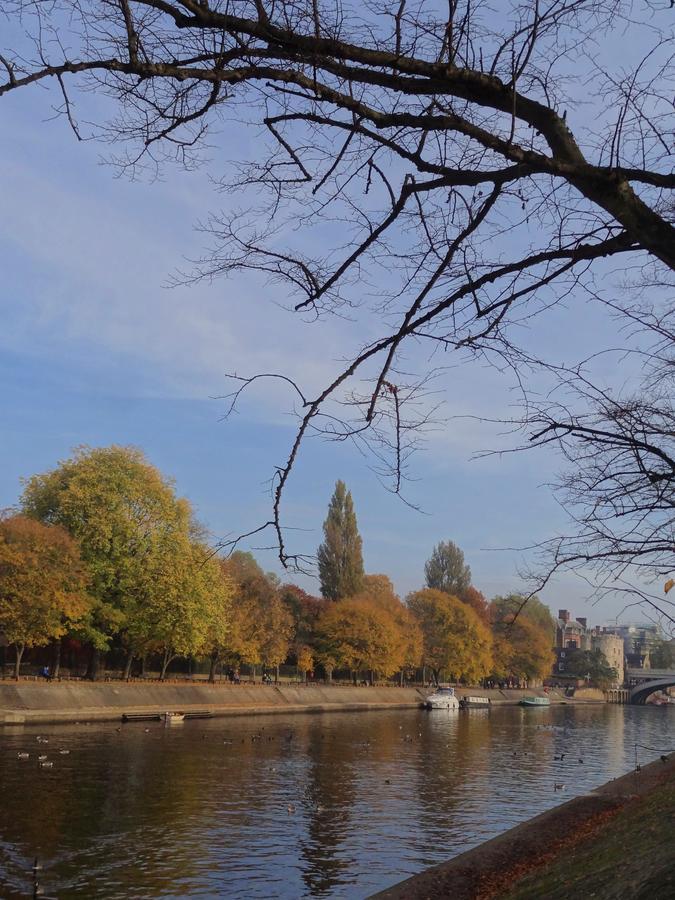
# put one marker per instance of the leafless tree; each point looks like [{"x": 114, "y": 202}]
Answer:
[
  {"x": 463, "y": 165},
  {"x": 618, "y": 485}
]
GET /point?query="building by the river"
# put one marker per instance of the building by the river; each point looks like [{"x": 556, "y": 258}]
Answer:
[
  {"x": 574, "y": 634},
  {"x": 638, "y": 642},
  {"x": 612, "y": 646}
]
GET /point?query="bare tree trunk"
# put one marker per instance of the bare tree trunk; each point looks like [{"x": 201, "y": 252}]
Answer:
[
  {"x": 401, "y": 678},
  {"x": 127, "y": 666},
  {"x": 17, "y": 662},
  {"x": 56, "y": 659},
  {"x": 142, "y": 672},
  {"x": 166, "y": 659},
  {"x": 329, "y": 674},
  {"x": 94, "y": 664},
  {"x": 276, "y": 674},
  {"x": 212, "y": 670}
]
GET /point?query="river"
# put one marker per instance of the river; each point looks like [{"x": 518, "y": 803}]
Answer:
[{"x": 335, "y": 805}]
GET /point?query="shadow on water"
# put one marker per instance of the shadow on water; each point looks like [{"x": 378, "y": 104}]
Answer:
[{"x": 333, "y": 805}]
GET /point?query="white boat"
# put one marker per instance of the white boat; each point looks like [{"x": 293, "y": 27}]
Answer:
[
  {"x": 172, "y": 718},
  {"x": 442, "y": 698}
]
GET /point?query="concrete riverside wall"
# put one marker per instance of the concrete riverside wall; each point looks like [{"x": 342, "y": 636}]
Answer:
[
  {"x": 589, "y": 694},
  {"x": 26, "y": 702},
  {"x": 70, "y": 701}
]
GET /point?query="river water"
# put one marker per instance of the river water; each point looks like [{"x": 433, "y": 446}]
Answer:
[{"x": 336, "y": 805}]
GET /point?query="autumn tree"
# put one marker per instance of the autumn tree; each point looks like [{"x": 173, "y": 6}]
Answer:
[
  {"x": 455, "y": 640},
  {"x": 120, "y": 509},
  {"x": 510, "y": 607},
  {"x": 476, "y": 600},
  {"x": 524, "y": 634},
  {"x": 522, "y": 650},
  {"x": 304, "y": 609},
  {"x": 43, "y": 584},
  {"x": 305, "y": 660},
  {"x": 361, "y": 635},
  {"x": 446, "y": 571},
  {"x": 478, "y": 162},
  {"x": 180, "y": 605},
  {"x": 277, "y": 635},
  {"x": 340, "y": 555},
  {"x": 380, "y": 591},
  {"x": 261, "y": 624}
]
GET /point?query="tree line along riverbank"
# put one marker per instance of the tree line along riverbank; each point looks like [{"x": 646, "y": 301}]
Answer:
[{"x": 102, "y": 564}]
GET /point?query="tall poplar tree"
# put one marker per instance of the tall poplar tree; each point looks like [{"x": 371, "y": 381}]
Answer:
[{"x": 340, "y": 555}]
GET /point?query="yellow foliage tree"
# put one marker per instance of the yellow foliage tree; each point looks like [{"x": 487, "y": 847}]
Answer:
[
  {"x": 262, "y": 626},
  {"x": 181, "y": 602},
  {"x": 305, "y": 661},
  {"x": 380, "y": 590},
  {"x": 455, "y": 640},
  {"x": 359, "y": 634}
]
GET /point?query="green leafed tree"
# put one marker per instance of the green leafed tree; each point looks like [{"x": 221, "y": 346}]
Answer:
[
  {"x": 446, "y": 570},
  {"x": 181, "y": 602},
  {"x": 592, "y": 664},
  {"x": 340, "y": 555},
  {"x": 120, "y": 509},
  {"x": 43, "y": 584},
  {"x": 662, "y": 656}
]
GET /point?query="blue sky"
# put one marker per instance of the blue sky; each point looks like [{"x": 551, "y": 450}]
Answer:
[{"x": 95, "y": 350}]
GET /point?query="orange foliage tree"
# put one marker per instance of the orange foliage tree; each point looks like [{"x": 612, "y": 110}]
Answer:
[
  {"x": 359, "y": 634},
  {"x": 43, "y": 584}
]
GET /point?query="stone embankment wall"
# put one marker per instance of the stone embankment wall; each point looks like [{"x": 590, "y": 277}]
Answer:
[{"x": 70, "y": 701}]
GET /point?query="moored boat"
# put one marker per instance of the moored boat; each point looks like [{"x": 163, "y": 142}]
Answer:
[
  {"x": 442, "y": 698},
  {"x": 468, "y": 702},
  {"x": 534, "y": 701},
  {"x": 172, "y": 718}
]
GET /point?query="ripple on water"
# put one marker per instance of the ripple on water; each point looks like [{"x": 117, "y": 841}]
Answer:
[{"x": 336, "y": 805}]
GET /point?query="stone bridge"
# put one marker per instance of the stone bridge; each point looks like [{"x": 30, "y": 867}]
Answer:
[{"x": 644, "y": 682}]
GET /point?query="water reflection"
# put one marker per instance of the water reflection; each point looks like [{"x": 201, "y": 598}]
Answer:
[{"x": 334, "y": 805}]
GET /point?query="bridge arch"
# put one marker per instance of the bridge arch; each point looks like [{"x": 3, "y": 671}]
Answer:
[{"x": 640, "y": 692}]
